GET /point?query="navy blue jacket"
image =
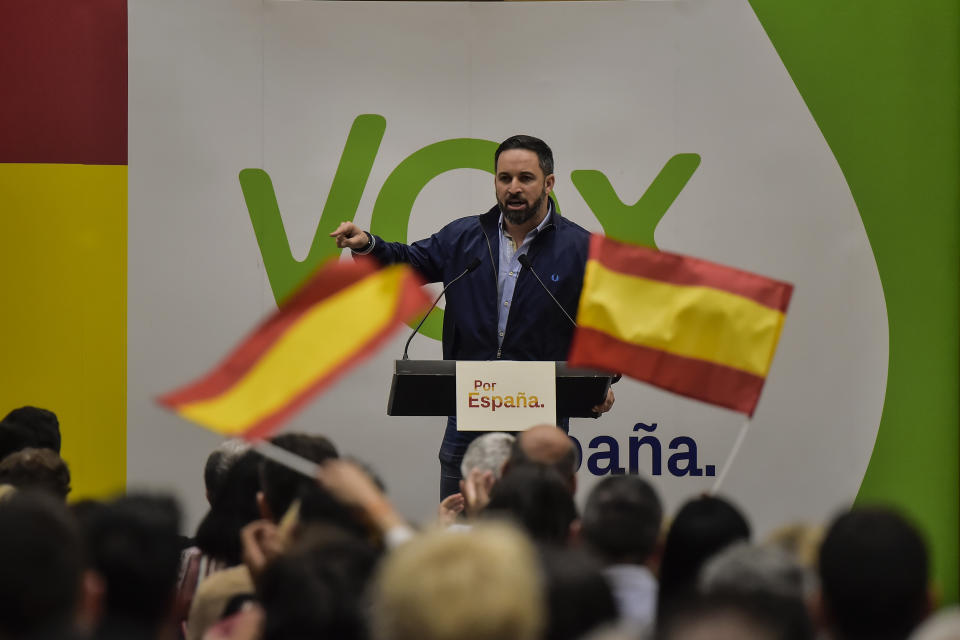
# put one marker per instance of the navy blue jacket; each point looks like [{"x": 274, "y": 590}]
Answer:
[{"x": 536, "y": 329}]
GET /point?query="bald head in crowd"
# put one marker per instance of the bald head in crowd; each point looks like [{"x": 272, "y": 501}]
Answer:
[{"x": 546, "y": 444}]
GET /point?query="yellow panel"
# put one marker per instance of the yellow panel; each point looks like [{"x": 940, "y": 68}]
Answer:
[
  {"x": 63, "y": 291},
  {"x": 691, "y": 321}
]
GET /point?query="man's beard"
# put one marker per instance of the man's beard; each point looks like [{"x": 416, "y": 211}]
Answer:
[{"x": 519, "y": 216}]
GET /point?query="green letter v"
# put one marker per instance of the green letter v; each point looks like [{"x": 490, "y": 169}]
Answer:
[{"x": 283, "y": 271}]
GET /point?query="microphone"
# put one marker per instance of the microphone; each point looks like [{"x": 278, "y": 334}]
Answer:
[
  {"x": 525, "y": 262},
  {"x": 470, "y": 267}
]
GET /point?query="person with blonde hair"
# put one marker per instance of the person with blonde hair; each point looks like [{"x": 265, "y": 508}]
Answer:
[{"x": 481, "y": 584}]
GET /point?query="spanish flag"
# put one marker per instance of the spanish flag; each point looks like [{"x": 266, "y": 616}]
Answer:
[
  {"x": 338, "y": 318},
  {"x": 693, "y": 327}
]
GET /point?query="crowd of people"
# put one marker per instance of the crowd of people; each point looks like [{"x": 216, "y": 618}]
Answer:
[{"x": 510, "y": 556}]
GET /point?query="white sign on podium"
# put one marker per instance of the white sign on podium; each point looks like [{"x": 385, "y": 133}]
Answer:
[{"x": 505, "y": 395}]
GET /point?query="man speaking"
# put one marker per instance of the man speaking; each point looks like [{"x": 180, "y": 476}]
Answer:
[{"x": 497, "y": 310}]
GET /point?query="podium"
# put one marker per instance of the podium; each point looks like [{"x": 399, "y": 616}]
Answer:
[{"x": 428, "y": 388}]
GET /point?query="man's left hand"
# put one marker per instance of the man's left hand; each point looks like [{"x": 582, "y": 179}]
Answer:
[{"x": 606, "y": 405}]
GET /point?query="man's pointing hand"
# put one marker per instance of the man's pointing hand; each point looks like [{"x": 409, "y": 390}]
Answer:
[{"x": 350, "y": 236}]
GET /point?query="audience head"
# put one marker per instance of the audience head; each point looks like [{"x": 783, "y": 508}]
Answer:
[
  {"x": 535, "y": 497},
  {"x": 6, "y": 490},
  {"x": 701, "y": 528},
  {"x": 219, "y": 462},
  {"x": 873, "y": 575},
  {"x": 481, "y": 584},
  {"x": 723, "y": 616},
  {"x": 801, "y": 541},
  {"x": 614, "y": 631},
  {"x": 579, "y": 598},
  {"x": 749, "y": 568},
  {"x": 316, "y": 588},
  {"x": 41, "y": 469},
  {"x": 41, "y": 552},
  {"x": 317, "y": 506},
  {"x": 487, "y": 453},
  {"x": 549, "y": 445},
  {"x": 234, "y": 505},
  {"x": 622, "y": 518},
  {"x": 134, "y": 544},
  {"x": 766, "y": 575},
  {"x": 944, "y": 625},
  {"x": 281, "y": 485},
  {"x": 29, "y": 427}
]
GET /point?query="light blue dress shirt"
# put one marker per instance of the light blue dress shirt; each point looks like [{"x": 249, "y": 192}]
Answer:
[{"x": 510, "y": 269}]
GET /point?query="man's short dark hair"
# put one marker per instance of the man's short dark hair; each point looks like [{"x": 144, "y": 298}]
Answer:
[
  {"x": 579, "y": 598},
  {"x": 29, "y": 427},
  {"x": 41, "y": 552},
  {"x": 621, "y": 520},
  {"x": 134, "y": 543},
  {"x": 538, "y": 499},
  {"x": 281, "y": 485},
  {"x": 702, "y": 527},
  {"x": 40, "y": 469},
  {"x": 873, "y": 572},
  {"x": 232, "y": 506},
  {"x": 316, "y": 588},
  {"x": 219, "y": 462},
  {"x": 538, "y": 146}
]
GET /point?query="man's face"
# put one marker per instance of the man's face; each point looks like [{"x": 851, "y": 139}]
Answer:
[{"x": 522, "y": 189}]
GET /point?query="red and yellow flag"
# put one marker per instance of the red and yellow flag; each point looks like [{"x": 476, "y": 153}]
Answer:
[
  {"x": 335, "y": 320},
  {"x": 693, "y": 327}
]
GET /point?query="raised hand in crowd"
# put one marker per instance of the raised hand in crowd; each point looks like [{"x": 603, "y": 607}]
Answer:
[
  {"x": 476, "y": 490},
  {"x": 246, "y": 624},
  {"x": 450, "y": 507},
  {"x": 261, "y": 541},
  {"x": 349, "y": 483}
]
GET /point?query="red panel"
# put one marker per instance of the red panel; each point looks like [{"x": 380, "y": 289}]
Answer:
[
  {"x": 672, "y": 268},
  {"x": 705, "y": 381},
  {"x": 63, "y": 69}
]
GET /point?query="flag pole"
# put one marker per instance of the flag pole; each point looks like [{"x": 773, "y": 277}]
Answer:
[
  {"x": 733, "y": 454},
  {"x": 290, "y": 460}
]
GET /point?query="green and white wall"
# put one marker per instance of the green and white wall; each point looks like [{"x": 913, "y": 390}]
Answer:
[{"x": 814, "y": 142}]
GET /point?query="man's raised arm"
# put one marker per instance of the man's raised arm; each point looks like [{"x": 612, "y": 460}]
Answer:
[{"x": 426, "y": 256}]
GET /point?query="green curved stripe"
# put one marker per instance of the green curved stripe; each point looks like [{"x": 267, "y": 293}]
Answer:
[
  {"x": 391, "y": 212},
  {"x": 880, "y": 79}
]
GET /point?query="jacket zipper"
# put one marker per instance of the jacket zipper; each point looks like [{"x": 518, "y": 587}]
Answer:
[
  {"x": 495, "y": 283},
  {"x": 496, "y": 278}
]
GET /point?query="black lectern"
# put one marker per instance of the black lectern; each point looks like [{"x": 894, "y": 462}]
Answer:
[{"x": 428, "y": 388}]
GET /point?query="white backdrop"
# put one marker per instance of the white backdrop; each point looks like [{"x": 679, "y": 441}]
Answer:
[{"x": 218, "y": 86}]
